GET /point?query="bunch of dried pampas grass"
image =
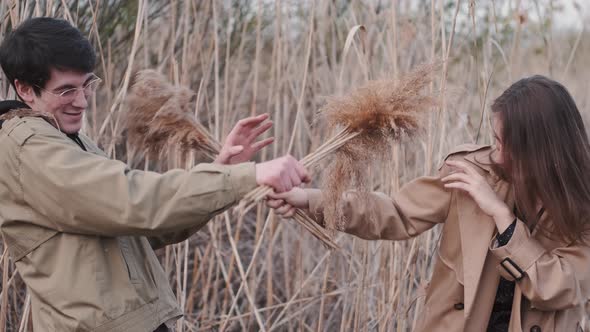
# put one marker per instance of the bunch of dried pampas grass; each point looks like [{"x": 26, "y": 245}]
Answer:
[
  {"x": 159, "y": 120},
  {"x": 383, "y": 112},
  {"x": 367, "y": 121}
]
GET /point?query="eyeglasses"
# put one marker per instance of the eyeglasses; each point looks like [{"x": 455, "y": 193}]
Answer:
[{"x": 68, "y": 96}]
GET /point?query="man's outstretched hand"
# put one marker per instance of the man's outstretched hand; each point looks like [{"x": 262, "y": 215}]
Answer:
[
  {"x": 282, "y": 174},
  {"x": 241, "y": 144}
]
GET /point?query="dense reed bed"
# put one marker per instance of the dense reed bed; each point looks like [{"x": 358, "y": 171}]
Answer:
[{"x": 255, "y": 271}]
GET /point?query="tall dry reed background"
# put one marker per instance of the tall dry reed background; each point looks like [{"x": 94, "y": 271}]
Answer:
[{"x": 284, "y": 57}]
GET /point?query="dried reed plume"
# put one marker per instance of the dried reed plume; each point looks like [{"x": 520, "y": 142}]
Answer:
[
  {"x": 367, "y": 121},
  {"x": 382, "y": 112},
  {"x": 160, "y": 118},
  {"x": 384, "y": 109}
]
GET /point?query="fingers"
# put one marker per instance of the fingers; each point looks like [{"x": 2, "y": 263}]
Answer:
[
  {"x": 458, "y": 185},
  {"x": 283, "y": 209},
  {"x": 249, "y": 123},
  {"x": 295, "y": 179},
  {"x": 252, "y": 121},
  {"x": 278, "y": 184},
  {"x": 235, "y": 150},
  {"x": 463, "y": 166},
  {"x": 462, "y": 177},
  {"x": 302, "y": 172},
  {"x": 262, "y": 144},
  {"x": 290, "y": 212},
  {"x": 259, "y": 130},
  {"x": 275, "y": 203},
  {"x": 286, "y": 182},
  {"x": 458, "y": 180},
  {"x": 294, "y": 173},
  {"x": 274, "y": 196},
  {"x": 278, "y": 196}
]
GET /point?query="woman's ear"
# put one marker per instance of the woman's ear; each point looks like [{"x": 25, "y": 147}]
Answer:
[{"x": 25, "y": 91}]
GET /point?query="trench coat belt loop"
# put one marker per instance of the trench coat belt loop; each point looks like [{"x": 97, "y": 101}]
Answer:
[{"x": 512, "y": 268}]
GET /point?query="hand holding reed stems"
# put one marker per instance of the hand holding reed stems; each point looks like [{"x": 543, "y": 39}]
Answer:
[{"x": 332, "y": 144}]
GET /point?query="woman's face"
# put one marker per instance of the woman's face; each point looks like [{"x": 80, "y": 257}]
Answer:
[{"x": 497, "y": 128}]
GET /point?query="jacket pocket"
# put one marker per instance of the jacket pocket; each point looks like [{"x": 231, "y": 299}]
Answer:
[
  {"x": 129, "y": 259},
  {"x": 449, "y": 251}
]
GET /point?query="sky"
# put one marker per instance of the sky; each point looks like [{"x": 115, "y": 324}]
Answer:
[
  {"x": 570, "y": 18},
  {"x": 566, "y": 17}
]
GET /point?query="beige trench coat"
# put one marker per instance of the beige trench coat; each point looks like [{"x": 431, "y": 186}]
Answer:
[
  {"x": 82, "y": 227},
  {"x": 552, "y": 278}
]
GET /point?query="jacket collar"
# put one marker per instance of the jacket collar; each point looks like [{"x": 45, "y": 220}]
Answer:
[
  {"x": 8, "y": 105},
  {"x": 10, "y": 109},
  {"x": 482, "y": 159},
  {"x": 13, "y": 108}
]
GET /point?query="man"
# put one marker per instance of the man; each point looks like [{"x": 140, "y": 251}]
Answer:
[{"x": 81, "y": 227}]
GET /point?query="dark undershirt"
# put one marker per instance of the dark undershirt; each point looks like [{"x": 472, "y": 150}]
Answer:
[{"x": 500, "y": 317}]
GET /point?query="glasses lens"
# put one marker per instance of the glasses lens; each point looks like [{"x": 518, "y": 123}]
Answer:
[
  {"x": 68, "y": 96},
  {"x": 91, "y": 87}
]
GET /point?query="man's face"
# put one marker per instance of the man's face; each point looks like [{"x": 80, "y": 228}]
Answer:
[{"x": 67, "y": 108}]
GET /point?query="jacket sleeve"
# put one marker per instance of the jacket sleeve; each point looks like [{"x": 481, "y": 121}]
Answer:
[
  {"x": 417, "y": 207},
  {"x": 80, "y": 192},
  {"x": 550, "y": 280}
]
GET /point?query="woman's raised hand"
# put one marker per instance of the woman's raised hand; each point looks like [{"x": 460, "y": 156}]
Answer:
[{"x": 467, "y": 179}]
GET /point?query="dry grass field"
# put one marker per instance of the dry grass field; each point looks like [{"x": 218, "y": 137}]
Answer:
[{"x": 285, "y": 57}]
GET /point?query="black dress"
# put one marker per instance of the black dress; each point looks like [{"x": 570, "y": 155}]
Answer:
[{"x": 500, "y": 317}]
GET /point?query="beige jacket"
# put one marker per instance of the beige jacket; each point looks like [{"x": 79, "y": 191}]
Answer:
[
  {"x": 552, "y": 278},
  {"x": 79, "y": 227}
]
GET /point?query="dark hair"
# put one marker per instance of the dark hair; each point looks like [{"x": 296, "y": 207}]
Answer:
[
  {"x": 546, "y": 154},
  {"x": 39, "y": 44}
]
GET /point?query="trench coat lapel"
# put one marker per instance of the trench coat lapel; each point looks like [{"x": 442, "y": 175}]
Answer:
[{"x": 476, "y": 229}]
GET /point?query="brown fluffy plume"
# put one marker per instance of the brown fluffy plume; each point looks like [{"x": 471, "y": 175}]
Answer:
[
  {"x": 160, "y": 119},
  {"x": 381, "y": 112},
  {"x": 385, "y": 109}
]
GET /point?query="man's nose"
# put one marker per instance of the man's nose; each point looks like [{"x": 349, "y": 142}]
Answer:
[{"x": 80, "y": 100}]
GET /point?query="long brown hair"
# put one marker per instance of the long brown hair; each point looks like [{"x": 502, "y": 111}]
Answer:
[{"x": 546, "y": 155}]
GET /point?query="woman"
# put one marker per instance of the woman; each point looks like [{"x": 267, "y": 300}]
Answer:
[{"x": 514, "y": 254}]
